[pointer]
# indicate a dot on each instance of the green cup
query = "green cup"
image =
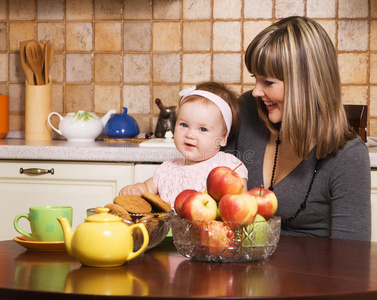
(43, 223)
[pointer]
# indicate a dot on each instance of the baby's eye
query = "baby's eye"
(183, 124)
(203, 129)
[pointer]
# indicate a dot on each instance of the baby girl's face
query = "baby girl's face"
(199, 131)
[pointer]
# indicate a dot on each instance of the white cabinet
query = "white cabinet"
(77, 184)
(144, 171)
(374, 204)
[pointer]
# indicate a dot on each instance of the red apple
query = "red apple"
(216, 236)
(182, 196)
(267, 201)
(222, 181)
(199, 206)
(240, 208)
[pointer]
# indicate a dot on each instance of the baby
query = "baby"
(208, 114)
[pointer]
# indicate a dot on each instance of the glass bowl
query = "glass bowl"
(157, 224)
(219, 241)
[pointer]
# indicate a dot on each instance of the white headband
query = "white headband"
(220, 103)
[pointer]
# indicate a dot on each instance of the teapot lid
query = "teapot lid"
(103, 216)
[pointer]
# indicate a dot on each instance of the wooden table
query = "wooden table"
(304, 268)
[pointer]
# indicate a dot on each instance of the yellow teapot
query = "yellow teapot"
(103, 240)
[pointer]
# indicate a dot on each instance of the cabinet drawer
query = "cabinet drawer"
(80, 185)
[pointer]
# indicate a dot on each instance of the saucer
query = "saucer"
(32, 245)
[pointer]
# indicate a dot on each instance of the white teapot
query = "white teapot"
(80, 126)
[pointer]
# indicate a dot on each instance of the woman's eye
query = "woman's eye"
(202, 129)
(268, 82)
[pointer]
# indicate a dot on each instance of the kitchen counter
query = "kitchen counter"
(97, 151)
(83, 151)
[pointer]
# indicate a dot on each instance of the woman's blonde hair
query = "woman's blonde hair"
(298, 51)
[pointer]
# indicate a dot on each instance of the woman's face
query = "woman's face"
(199, 131)
(271, 91)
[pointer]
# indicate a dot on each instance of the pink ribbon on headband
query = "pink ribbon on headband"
(220, 103)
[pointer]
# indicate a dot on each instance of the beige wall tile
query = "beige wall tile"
(168, 94)
(137, 9)
(137, 99)
(373, 105)
(3, 10)
(196, 68)
(16, 73)
(353, 68)
(227, 9)
(227, 36)
(4, 89)
(79, 10)
(321, 8)
(108, 9)
(107, 67)
(54, 32)
(20, 32)
(22, 10)
(17, 97)
(79, 68)
(227, 68)
(166, 36)
(258, 9)
(57, 68)
(193, 9)
(143, 122)
(108, 37)
(167, 9)
(17, 122)
(79, 36)
(50, 9)
(107, 97)
(57, 98)
(78, 97)
(373, 4)
(372, 127)
(353, 35)
(373, 68)
(137, 68)
(196, 36)
(330, 27)
(251, 29)
(286, 8)
(166, 68)
(373, 36)
(353, 9)
(137, 37)
(3, 37)
(4, 66)
(355, 94)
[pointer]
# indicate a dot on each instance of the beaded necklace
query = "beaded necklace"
(271, 188)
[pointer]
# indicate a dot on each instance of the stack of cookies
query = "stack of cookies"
(148, 209)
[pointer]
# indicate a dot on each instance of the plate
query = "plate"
(159, 143)
(32, 245)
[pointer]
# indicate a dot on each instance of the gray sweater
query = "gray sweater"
(339, 202)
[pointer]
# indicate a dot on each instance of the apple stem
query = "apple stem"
(260, 190)
(236, 167)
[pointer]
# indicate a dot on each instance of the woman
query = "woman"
(295, 138)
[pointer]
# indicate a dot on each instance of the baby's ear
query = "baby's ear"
(223, 142)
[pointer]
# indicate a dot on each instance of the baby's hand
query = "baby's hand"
(133, 189)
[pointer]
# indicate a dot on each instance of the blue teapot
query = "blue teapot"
(121, 126)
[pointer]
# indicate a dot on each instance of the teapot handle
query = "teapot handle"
(48, 120)
(143, 229)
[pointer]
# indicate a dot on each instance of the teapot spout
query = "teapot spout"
(107, 116)
(67, 232)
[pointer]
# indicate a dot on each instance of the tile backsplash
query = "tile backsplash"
(111, 54)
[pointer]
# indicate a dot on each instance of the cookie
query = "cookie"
(157, 203)
(119, 211)
(133, 204)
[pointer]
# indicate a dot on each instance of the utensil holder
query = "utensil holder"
(4, 115)
(37, 109)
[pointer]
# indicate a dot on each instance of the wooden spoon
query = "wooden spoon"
(35, 59)
(49, 56)
(25, 66)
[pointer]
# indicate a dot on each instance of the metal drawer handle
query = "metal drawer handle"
(36, 171)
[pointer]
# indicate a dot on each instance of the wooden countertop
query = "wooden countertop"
(301, 267)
